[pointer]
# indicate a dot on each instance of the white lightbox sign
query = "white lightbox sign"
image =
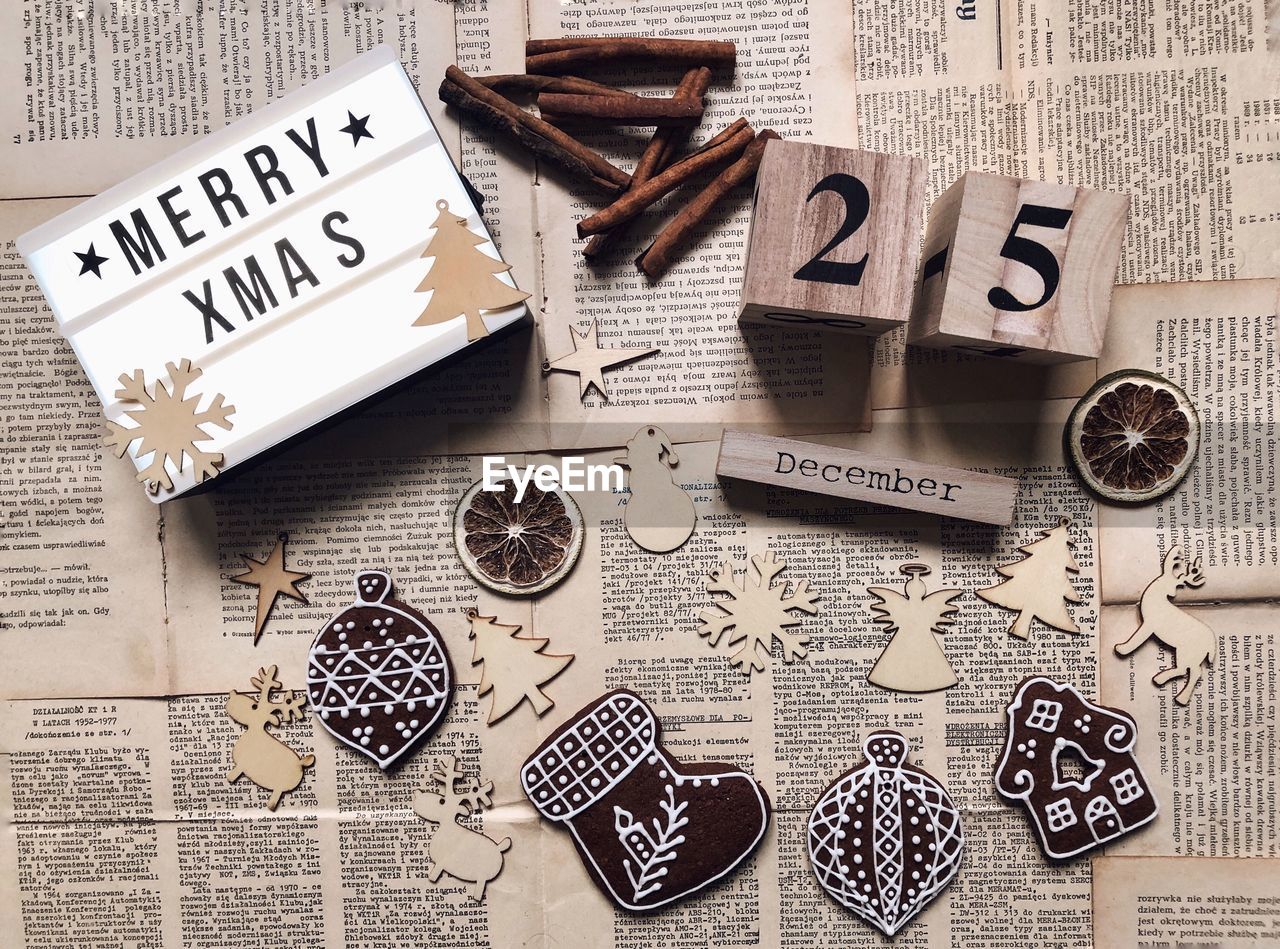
(281, 255)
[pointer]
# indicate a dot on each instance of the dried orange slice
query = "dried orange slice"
(518, 547)
(1133, 436)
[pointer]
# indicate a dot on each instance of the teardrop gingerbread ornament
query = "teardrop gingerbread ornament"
(885, 838)
(378, 674)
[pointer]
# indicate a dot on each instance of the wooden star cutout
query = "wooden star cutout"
(271, 579)
(590, 361)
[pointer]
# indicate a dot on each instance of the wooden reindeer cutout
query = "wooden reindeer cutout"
(465, 854)
(263, 758)
(659, 514)
(1193, 643)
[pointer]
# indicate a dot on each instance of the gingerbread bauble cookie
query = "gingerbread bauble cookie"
(1103, 797)
(885, 838)
(378, 674)
(650, 830)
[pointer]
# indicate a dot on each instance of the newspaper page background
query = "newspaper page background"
(127, 797)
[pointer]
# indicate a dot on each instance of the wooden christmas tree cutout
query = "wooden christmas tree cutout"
(462, 279)
(168, 425)
(512, 668)
(589, 361)
(464, 854)
(659, 514)
(1193, 643)
(1039, 585)
(258, 754)
(272, 579)
(913, 661)
(756, 612)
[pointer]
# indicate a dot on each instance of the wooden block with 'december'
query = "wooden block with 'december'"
(1018, 269)
(834, 234)
(864, 476)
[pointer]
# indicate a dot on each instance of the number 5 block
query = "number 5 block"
(1018, 268)
(833, 239)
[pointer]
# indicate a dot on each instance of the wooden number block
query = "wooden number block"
(833, 240)
(862, 476)
(1018, 268)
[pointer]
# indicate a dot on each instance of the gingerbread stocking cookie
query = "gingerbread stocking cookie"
(885, 838)
(650, 829)
(378, 673)
(1071, 764)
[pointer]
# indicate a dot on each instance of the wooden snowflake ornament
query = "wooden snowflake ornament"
(885, 838)
(168, 425)
(755, 612)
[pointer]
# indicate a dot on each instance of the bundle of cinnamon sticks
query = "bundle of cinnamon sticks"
(733, 155)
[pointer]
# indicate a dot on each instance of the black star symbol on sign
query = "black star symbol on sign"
(356, 128)
(90, 262)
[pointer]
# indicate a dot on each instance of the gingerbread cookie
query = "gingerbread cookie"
(884, 839)
(378, 673)
(650, 829)
(1104, 797)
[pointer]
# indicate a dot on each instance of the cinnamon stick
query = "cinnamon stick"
(635, 200)
(726, 133)
(556, 56)
(518, 83)
(664, 251)
(656, 155)
(615, 110)
(465, 93)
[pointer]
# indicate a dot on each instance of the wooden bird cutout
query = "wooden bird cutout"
(272, 579)
(589, 361)
(913, 661)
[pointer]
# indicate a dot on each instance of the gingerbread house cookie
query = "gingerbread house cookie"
(1107, 795)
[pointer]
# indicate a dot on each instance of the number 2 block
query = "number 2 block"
(1018, 268)
(834, 234)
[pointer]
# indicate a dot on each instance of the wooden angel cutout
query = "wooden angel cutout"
(913, 661)
(1193, 643)
(259, 755)
(1039, 585)
(512, 668)
(464, 854)
(462, 280)
(659, 514)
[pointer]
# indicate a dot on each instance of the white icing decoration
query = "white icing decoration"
(648, 852)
